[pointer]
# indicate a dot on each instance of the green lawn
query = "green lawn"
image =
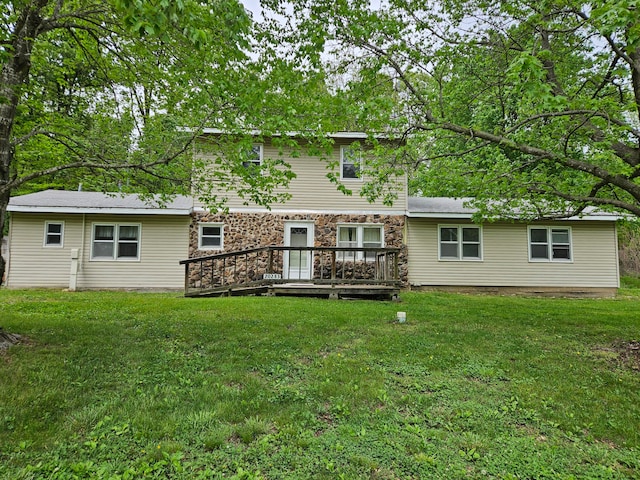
(129, 385)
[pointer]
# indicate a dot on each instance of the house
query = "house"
(447, 250)
(316, 215)
(90, 240)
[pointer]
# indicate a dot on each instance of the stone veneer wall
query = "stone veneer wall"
(250, 230)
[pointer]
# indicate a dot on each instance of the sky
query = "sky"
(254, 7)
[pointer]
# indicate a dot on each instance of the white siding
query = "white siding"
(30, 263)
(311, 190)
(506, 257)
(163, 243)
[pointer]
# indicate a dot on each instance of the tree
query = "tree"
(531, 108)
(113, 93)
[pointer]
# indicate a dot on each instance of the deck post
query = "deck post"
(333, 265)
(396, 269)
(223, 279)
(270, 261)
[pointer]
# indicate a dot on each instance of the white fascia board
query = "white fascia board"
(347, 135)
(606, 218)
(103, 211)
(438, 215)
(286, 211)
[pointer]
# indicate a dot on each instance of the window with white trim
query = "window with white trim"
(53, 234)
(253, 158)
(360, 236)
(210, 236)
(550, 244)
(459, 242)
(350, 163)
(115, 241)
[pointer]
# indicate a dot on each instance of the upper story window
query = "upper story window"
(53, 234)
(115, 242)
(549, 244)
(459, 242)
(359, 236)
(253, 157)
(350, 163)
(210, 236)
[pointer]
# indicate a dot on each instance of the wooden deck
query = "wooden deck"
(329, 272)
(382, 292)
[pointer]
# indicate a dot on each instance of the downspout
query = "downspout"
(84, 221)
(76, 259)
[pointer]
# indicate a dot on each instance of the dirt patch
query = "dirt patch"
(628, 354)
(623, 353)
(7, 339)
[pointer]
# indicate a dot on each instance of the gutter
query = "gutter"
(97, 210)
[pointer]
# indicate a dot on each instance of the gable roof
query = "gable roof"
(446, 207)
(63, 201)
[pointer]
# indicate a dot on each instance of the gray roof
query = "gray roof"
(446, 207)
(61, 201)
(438, 205)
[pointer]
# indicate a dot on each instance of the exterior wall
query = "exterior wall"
(506, 262)
(250, 230)
(312, 191)
(33, 265)
(163, 244)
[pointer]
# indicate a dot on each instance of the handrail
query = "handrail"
(269, 265)
(223, 255)
(279, 249)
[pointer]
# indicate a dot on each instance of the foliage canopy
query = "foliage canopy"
(528, 107)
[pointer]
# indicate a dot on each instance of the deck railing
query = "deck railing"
(272, 265)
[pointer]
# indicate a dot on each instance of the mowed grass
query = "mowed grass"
(128, 385)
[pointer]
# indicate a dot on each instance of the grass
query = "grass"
(127, 385)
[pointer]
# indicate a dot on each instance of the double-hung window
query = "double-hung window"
(549, 244)
(459, 242)
(53, 234)
(253, 158)
(115, 242)
(360, 236)
(350, 163)
(210, 236)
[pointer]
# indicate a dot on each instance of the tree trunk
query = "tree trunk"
(4, 201)
(15, 73)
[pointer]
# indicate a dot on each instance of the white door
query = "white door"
(298, 264)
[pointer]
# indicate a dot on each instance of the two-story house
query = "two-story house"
(82, 240)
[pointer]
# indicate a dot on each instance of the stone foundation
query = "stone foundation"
(252, 230)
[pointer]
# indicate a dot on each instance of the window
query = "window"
(549, 244)
(53, 234)
(253, 158)
(459, 242)
(210, 236)
(359, 236)
(115, 242)
(350, 163)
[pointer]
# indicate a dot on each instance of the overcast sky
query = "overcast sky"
(254, 7)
